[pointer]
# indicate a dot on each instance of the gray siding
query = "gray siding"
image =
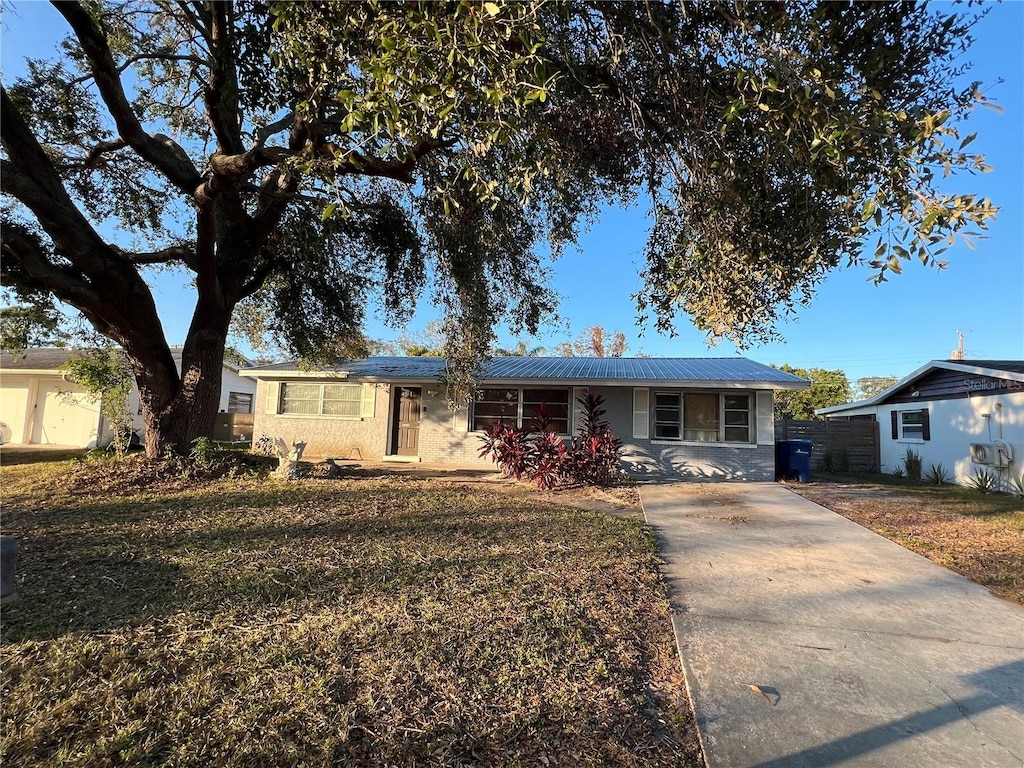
(651, 457)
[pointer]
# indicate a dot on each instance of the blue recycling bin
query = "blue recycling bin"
(793, 459)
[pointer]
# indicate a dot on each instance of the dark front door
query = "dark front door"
(405, 434)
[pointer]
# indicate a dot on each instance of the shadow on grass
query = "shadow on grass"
(74, 591)
(13, 455)
(103, 566)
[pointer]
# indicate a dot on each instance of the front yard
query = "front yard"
(371, 621)
(980, 536)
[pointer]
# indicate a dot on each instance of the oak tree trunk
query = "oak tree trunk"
(178, 408)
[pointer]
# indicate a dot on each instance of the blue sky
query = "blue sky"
(851, 324)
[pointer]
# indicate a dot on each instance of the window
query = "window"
(322, 399)
(668, 411)
(911, 425)
(736, 412)
(700, 417)
(239, 402)
(517, 407)
(705, 417)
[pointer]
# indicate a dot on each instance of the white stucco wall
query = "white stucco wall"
(955, 424)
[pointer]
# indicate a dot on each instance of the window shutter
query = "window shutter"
(369, 400)
(895, 425)
(926, 426)
(273, 397)
(460, 418)
(765, 419)
(641, 413)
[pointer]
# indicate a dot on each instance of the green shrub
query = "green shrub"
(983, 481)
(1017, 484)
(838, 461)
(937, 475)
(204, 452)
(913, 464)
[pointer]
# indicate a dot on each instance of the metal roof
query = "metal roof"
(726, 371)
(1011, 369)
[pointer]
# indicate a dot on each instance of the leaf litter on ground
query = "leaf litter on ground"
(243, 621)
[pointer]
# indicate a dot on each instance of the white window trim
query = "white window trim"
(900, 426)
(654, 422)
(751, 441)
(519, 410)
(318, 416)
(703, 444)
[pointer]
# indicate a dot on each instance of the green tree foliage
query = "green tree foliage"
(594, 341)
(301, 160)
(522, 348)
(869, 386)
(425, 342)
(106, 375)
(32, 325)
(827, 388)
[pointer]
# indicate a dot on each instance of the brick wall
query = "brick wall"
(444, 435)
(642, 457)
(648, 457)
(444, 438)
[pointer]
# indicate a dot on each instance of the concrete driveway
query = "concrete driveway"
(862, 653)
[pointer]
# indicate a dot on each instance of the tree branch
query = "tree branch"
(262, 135)
(25, 249)
(145, 56)
(94, 154)
(42, 190)
(197, 23)
(175, 165)
(221, 93)
(275, 195)
(258, 277)
(167, 255)
(241, 165)
(364, 165)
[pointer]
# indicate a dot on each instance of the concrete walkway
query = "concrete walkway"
(863, 653)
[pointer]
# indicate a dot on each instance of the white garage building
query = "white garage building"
(39, 407)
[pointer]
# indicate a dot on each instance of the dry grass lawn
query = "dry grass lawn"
(368, 621)
(980, 536)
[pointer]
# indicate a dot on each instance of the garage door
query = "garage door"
(61, 419)
(13, 400)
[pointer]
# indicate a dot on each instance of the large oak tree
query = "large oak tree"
(300, 159)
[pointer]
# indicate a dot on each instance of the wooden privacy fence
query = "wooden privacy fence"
(233, 427)
(854, 442)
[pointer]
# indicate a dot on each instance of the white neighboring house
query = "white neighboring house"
(39, 406)
(967, 415)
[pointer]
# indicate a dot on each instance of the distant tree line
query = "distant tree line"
(828, 388)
